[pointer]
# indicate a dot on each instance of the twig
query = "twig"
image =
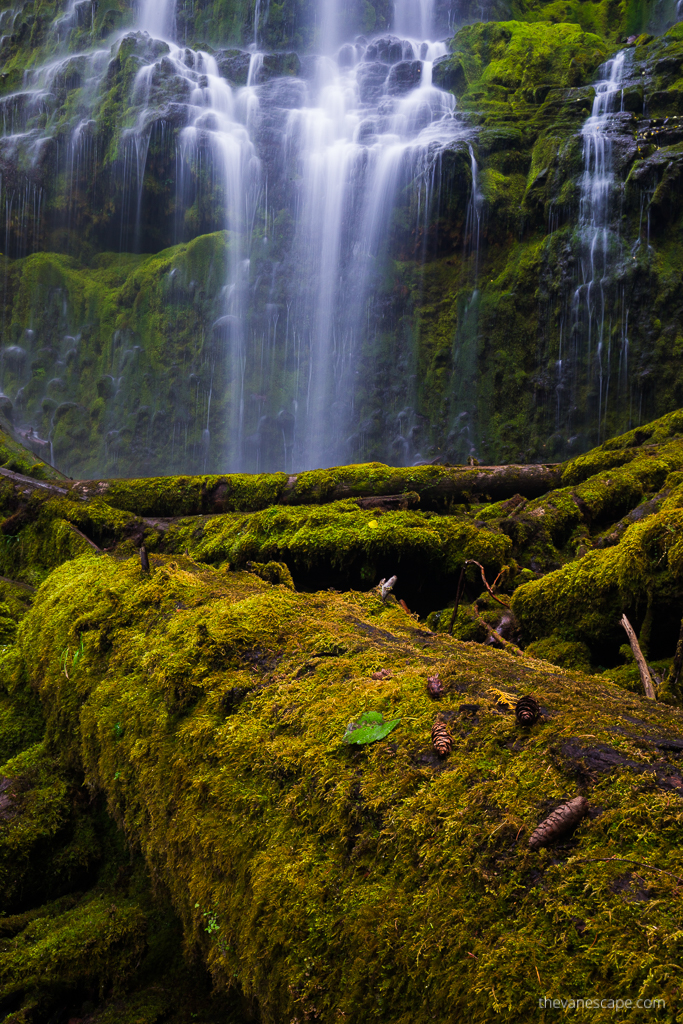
(645, 676)
(624, 860)
(29, 482)
(471, 561)
(512, 648)
(16, 583)
(87, 539)
(458, 595)
(675, 671)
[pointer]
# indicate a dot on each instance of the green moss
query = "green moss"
(354, 544)
(622, 449)
(155, 300)
(567, 654)
(322, 870)
(50, 950)
(516, 55)
(585, 599)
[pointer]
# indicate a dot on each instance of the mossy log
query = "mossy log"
(379, 882)
(437, 487)
(206, 706)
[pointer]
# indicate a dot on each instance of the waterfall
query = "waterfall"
(156, 17)
(363, 125)
(339, 148)
(599, 240)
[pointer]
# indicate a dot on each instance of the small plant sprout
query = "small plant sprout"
(78, 654)
(212, 925)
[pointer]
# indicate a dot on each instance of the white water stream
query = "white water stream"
(365, 122)
(599, 242)
(344, 150)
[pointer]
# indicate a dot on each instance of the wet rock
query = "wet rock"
(276, 65)
(449, 74)
(285, 93)
(14, 357)
(371, 79)
(388, 49)
(57, 385)
(234, 65)
(346, 57)
(404, 76)
(632, 100)
(6, 408)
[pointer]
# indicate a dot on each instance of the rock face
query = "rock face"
(186, 723)
(404, 76)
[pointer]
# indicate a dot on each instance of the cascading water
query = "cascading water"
(337, 147)
(361, 126)
(599, 241)
(359, 135)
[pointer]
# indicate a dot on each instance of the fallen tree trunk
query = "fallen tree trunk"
(438, 488)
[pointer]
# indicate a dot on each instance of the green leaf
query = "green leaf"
(369, 728)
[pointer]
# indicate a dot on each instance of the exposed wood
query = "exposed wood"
(677, 666)
(645, 676)
(86, 539)
(16, 583)
(458, 596)
(28, 483)
(144, 560)
(505, 604)
(436, 484)
(391, 502)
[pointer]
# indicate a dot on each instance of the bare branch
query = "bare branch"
(645, 676)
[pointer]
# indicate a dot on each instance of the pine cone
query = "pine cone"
(441, 738)
(527, 711)
(563, 820)
(434, 687)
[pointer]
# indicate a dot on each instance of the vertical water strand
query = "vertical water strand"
(473, 221)
(598, 241)
(156, 17)
(414, 18)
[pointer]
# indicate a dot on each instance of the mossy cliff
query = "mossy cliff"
(176, 796)
(475, 342)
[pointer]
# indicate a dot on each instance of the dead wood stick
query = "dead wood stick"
(471, 561)
(28, 483)
(675, 671)
(509, 647)
(87, 539)
(458, 595)
(16, 583)
(645, 676)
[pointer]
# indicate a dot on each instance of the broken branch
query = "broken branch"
(471, 561)
(675, 671)
(645, 676)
